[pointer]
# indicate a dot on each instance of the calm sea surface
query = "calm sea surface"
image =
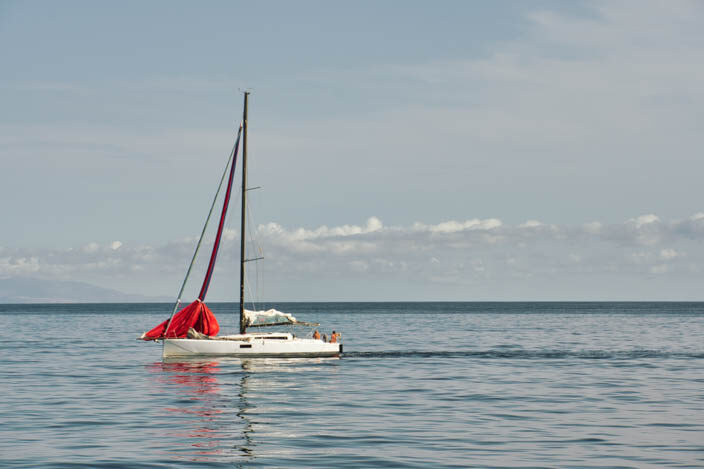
(420, 385)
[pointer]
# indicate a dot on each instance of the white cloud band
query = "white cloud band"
(460, 253)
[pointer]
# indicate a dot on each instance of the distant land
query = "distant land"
(34, 290)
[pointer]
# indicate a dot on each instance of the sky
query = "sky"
(512, 150)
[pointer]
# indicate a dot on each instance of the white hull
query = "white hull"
(251, 345)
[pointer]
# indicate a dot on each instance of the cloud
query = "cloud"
(668, 254)
(451, 253)
(530, 224)
(454, 226)
(644, 220)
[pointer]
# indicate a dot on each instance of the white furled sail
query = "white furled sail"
(272, 317)
(267, 318)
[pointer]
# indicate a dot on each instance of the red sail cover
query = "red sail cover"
(196, 315)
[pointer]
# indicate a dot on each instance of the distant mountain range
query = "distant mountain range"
(34, 290)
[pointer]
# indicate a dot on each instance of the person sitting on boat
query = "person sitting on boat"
(333, 337)
(316, 335)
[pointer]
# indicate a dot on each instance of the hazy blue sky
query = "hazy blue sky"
(506, 150)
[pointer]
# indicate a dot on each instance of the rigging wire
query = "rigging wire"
(205, 226)
(254, 295)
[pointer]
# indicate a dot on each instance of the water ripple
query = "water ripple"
(420, 385)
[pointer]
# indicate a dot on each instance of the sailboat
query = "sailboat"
(192, 331)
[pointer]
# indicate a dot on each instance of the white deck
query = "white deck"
(251, 345)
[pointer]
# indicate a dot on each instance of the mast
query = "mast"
(243, 326)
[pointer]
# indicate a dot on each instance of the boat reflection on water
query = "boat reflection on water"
(208, 404)
(205, 409)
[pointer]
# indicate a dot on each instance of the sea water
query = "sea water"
(419, 385)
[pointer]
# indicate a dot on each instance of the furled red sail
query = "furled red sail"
(196, 315)
(218, 236)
